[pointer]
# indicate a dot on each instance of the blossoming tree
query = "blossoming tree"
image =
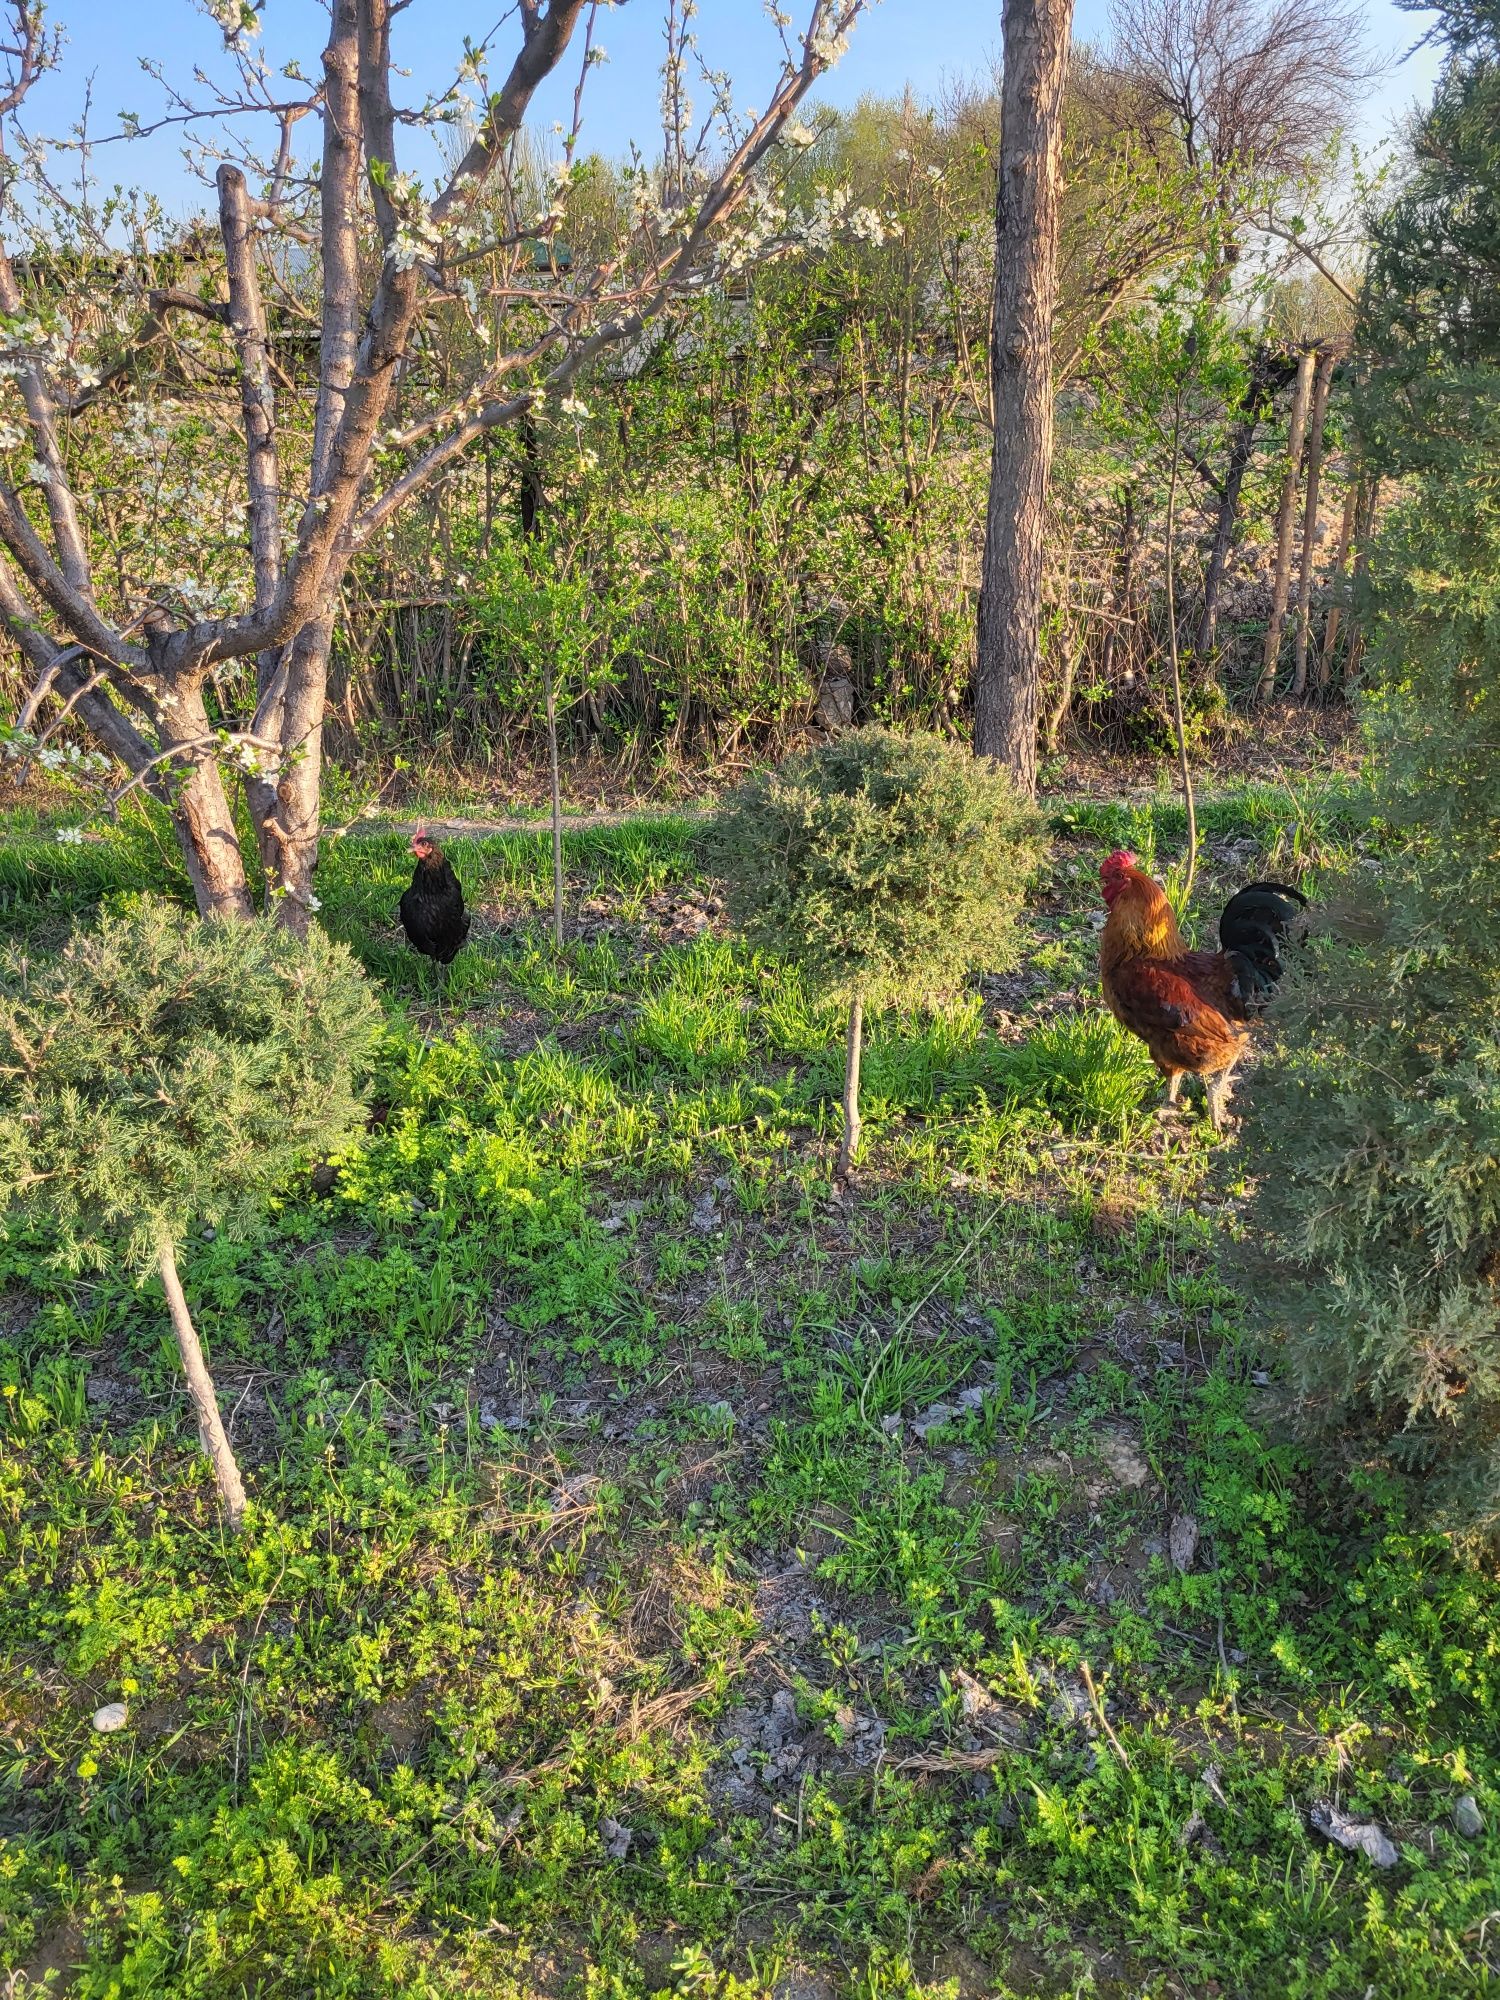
(350, 239)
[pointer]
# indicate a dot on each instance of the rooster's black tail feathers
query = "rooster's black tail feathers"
(1256, 923)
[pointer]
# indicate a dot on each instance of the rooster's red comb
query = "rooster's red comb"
(1118, 862)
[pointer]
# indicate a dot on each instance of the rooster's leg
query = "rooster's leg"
(1174, 1085)
(1217, 1091)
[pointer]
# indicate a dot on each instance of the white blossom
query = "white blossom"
(574, 407)
(70, 836)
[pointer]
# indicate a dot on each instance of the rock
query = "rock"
(706, 1212)
(615, 1838)
(1182, 1542)
(113, 1716)
(890, 1425)
(971, 1399)
(933, 1418)
(836, 695)
(620, 1217)
(799, 1984)
(1358, 1836)
(1123, 1460)
(1467, 1818)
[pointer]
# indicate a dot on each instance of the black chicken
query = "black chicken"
(432, 910)
(1256, 923)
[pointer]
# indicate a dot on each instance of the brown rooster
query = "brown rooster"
(1191, 1008)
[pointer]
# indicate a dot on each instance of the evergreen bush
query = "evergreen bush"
(164, 1074)
(1375, 1130)
(887, 867)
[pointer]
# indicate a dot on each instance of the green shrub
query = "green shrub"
(887, 867)
(163, 1074)
(1376, 1132)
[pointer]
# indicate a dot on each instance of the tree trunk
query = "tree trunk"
(202, 817)
(1336, 583)
(286, 811)
(211, 1433)
(1322, 382)
(1007, 678)
(1296, 425)
(849, 1144)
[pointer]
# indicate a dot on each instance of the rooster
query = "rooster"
(432, 909)
(1192, 1009)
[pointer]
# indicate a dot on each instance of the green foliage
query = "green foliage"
(1378, 1133)
(884, 866)
(581, 1418)
(163, 1072)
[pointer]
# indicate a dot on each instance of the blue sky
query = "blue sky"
(921, 43)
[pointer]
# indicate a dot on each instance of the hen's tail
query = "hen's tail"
(1255, 924)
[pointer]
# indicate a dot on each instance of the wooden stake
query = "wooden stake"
(850, 1142)
(211, 1432)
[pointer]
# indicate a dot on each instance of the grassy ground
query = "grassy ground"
(670, 1575)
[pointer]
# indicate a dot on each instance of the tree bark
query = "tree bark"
(1322, 382)
(202, 817)
(1296, 426)
(1336, 583)
(853, 1048)
(1007, 678)
(211, 1432)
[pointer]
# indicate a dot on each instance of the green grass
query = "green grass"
(598, 1447)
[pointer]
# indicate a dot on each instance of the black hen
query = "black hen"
(1255, 924)
(432, 910)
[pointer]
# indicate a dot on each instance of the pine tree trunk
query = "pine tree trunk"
(1007, 678)
(1281, 578)
(211, 1433)
(1322, 381)
(1336, 584)
(853, 1048)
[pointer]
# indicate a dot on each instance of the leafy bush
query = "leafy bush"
(163, 1073)
(1377, 1133)
(886, 867)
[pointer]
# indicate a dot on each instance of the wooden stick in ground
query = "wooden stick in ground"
(1322, 382)
(1296, 425)
(550, 693)
(1098, 1708)
(211, 1433)
(1336, 583)
(850, 1142)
